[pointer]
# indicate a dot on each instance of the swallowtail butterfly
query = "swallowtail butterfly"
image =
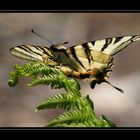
(92, 60)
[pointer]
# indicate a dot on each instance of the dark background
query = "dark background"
(17, 105)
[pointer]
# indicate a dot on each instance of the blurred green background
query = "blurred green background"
(17, 105)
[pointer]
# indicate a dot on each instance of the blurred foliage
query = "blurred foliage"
(79, 109)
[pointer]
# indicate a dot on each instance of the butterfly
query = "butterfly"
(92, 61)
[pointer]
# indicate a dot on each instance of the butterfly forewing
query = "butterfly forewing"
(34, 53)
(112, 46)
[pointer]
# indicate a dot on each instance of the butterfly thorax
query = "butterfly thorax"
(62, 57)
(57, 51)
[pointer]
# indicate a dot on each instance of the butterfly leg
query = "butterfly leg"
(48, 61)
(45, 59)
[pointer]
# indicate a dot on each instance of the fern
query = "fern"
(79, 109)
(66, 100)
(73, 116)
(79, 118)
(15, 76)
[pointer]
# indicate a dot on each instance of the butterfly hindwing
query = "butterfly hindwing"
(97, 53)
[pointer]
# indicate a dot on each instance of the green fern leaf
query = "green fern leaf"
(81, 109)
(66, 100)
(79, 118)
(57, 81)
(14, 76)
(76, 116)
(36, 68)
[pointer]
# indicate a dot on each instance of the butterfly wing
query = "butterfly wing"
(111, 46)
(97, 53)
(34, 53)
(96, 56)
(91, 60)
(86, 59)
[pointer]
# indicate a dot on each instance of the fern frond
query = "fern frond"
(76, 115)
(34, 68)
(53, 80)
(74, 124)
(49, 76)
(112, 124)
(80, 109)
(80, 118)
(87, 123)
(56, 82)
(66, 100)
(14, 76)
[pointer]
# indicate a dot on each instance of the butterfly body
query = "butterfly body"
(90, 64)
(92, 60)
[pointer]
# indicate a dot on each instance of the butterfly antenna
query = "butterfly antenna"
(119, 89)
(41, 36)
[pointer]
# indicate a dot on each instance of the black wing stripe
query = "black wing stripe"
(92, 42)
(87, 52)
(28, 49)
(39, 48)
(45, 52)
(21, 47)
(75, 56)
(118, 39)
(107, 42)
(125, 44)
